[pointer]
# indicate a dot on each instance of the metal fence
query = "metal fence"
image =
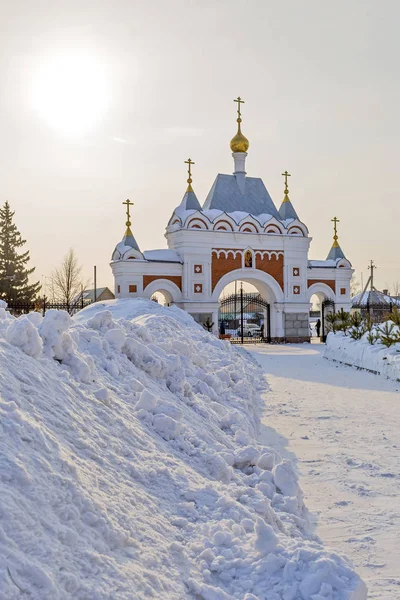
(42, 305)
(244, 318)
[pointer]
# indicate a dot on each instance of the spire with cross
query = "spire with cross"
(189, 162)
(128, 204)
(190, 201)
(335, 252)
(286, 174)
(239, 143)
(335, 221)
(239, 102)
(129, 238)
(287, 210)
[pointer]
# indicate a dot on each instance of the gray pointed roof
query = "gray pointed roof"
(286, 210)
(129, 240)
(225, 195)
(335, 252)
(189, 201)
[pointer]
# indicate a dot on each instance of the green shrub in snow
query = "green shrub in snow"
(394, 316)
(388, 334)
(343, 321)
(372, 337)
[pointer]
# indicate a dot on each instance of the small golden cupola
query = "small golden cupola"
(239, 143)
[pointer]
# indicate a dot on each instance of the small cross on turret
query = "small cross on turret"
(128, 204)
(189, 162)
(239, 102)
(335, 221)
(286, 174)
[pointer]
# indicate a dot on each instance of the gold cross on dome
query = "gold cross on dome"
(128, 204)
(286, 174)
(189, 162)
(239, 102)
(335, 221)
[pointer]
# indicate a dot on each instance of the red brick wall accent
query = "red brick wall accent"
(272, 266)
(177, 279)
(328, 282)
(223, 265)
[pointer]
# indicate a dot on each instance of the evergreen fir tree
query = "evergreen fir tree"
(14, 275)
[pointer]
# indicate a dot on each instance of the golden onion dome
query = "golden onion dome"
(239, 143)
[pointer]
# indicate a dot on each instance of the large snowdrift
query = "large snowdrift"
(129, 467)
(361, 354)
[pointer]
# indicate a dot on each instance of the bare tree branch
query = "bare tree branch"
(354, 286)
(395, 289)
(66, 280)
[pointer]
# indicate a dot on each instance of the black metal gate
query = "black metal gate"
(244, 319)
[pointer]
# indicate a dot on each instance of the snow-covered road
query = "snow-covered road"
(344, 427)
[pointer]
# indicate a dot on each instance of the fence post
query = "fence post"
(44, 306)
(269, 324)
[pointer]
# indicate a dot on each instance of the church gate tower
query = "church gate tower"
(238, 234)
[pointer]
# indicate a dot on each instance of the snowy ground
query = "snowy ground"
(344, 427)
(360, 353)
(130, 467)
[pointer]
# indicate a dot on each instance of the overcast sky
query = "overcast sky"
(321, 85)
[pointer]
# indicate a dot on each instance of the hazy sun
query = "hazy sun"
(70, 92)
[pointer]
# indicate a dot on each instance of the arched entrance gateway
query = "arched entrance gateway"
(237, 234)
(244, 317)
(267, 302)
(323, 300)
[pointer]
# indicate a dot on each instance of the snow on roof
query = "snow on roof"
(163, 255)
(131, 450)
(183, 213)
(213, 213)
(240, 215)
(322, 263)
(122, 247)
(89, 294)
(374, 298)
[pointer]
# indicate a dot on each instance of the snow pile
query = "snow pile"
(362, 354)
(129, 467)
